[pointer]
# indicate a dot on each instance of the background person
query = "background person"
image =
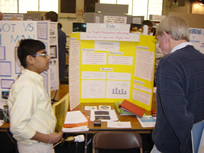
(180, 88)
(53, 17)
(150, 26)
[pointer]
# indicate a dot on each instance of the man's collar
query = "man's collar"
(182, 45)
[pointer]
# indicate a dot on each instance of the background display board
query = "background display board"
(11, 32)
(197, 38)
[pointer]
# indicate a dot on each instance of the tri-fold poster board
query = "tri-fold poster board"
(108, 64)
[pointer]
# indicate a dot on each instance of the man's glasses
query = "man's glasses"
(43, 54)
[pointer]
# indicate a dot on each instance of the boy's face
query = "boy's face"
(40, 62)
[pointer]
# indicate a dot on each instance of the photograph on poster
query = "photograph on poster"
(53, 51)
(5, 94)
(79, 27)
(42, 30)
(5, 69)
(6, 83)
(136, 28)
(2, 53)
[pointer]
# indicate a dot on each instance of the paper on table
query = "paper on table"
(1, 122)
(75, 117)
(105, 115)
(75, 129)
(90, 108)
(147, 121)
(112, 124)
(104, 107)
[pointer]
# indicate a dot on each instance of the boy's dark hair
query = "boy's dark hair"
(53, 16)
(28, 47)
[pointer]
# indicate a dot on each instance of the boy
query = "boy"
(32, 121)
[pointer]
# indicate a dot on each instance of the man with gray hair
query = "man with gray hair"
(180, 88)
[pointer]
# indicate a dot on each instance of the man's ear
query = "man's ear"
(30, 59)
(166, 36)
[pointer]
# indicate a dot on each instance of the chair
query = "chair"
(196, 134)
(116, 140)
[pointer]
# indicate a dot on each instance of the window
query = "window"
(8, 6)
(140, 7)
(22, 6)
(25, 5)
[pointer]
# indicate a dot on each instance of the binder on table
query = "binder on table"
(128, 106)
(121, 111)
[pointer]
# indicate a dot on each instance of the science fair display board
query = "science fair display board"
(108, 64)
(11, 32)
(196, 36)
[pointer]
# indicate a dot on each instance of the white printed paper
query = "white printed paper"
(122, 125)
(118, 76)
(107, 46)
(144, 64)
(74, 117)
(93, 89)
(94, 58)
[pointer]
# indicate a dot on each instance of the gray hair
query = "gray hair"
(175, 26)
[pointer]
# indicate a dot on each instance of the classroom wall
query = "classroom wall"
(192, 12)
(68, 18)
(194, 20)
(168, 7)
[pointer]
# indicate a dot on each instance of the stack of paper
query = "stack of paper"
(75, 121)
(1, 122)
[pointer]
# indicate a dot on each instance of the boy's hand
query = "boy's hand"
(55, 137)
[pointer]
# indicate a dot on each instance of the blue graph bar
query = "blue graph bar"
(120, 91)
